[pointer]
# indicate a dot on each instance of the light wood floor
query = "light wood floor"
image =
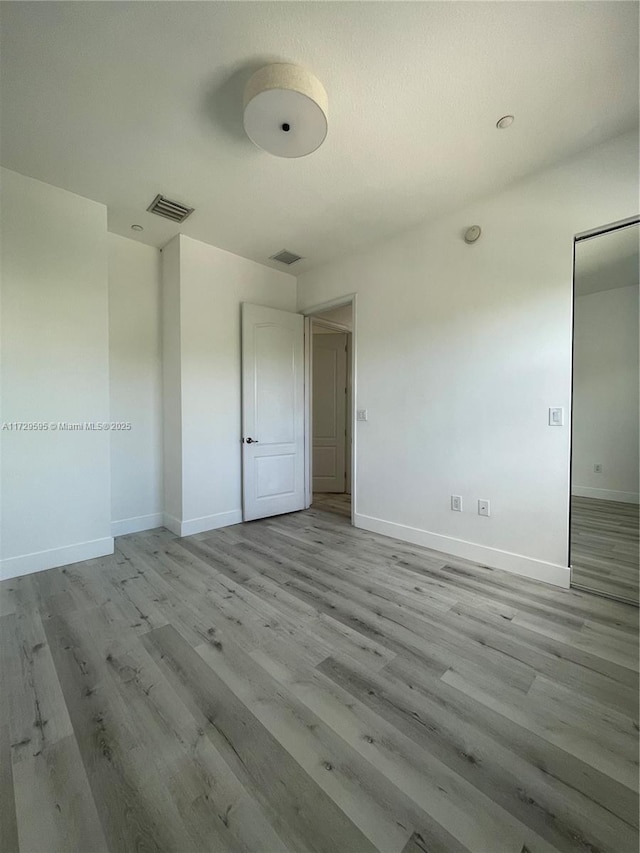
(298, 685)
(338, 503)
(605, 552)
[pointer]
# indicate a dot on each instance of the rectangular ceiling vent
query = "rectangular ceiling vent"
(170, 209)
(286, 257)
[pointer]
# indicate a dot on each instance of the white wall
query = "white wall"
(605, 395)
(55, 368)
(171, 384)
(135, 384)
(461, 350)
(211, 287)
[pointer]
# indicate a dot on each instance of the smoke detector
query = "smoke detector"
(504, 122)
(472, 234)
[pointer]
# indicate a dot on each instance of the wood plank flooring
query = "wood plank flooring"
(295, 684)
(605, 551)
(338, 503)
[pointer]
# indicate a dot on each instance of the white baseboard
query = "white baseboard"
(171, 523)
(27, 564)
(529, 567)
(137, 524)
(199, 525)
(605, 494)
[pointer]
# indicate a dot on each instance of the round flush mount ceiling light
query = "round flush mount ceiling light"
(504, 122)
(285, 110)
(472, 234)
(137, 228)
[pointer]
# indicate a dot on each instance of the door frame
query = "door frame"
(579, 238)
(309, 313)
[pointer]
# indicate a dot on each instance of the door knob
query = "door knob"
(252, 441)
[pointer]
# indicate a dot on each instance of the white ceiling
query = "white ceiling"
(608, 261)
(118, 101)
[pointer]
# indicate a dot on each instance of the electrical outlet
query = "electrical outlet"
(597, 468)
(484, 508)
(361, 415)
(456, 503)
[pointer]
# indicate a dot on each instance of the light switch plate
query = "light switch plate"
(556, 417)
(456, 503)
(361, 415)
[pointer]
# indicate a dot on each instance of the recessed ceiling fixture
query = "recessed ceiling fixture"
(285, 110)
(504, 122)
(173, 210)
(137, 228)
(286, 257)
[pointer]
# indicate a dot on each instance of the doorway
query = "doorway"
(605, 429)
(331, 408)
(278, 437)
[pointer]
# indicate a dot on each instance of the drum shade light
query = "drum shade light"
(285, 110)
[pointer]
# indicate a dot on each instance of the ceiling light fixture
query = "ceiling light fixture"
(285, 110)
(504, 122)
(137, 228)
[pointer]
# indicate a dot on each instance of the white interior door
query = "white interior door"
(329, 412)
(272, 412)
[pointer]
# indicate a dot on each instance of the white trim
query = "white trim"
(210, 522)
(605, 494)
(331, 324)
(354, 398)
(137, 524)
(171, 523)
(308, 416)
(538, 570)
(39, 561)
(606, 229)
(338, 302)
(350, 399)
(200, 525)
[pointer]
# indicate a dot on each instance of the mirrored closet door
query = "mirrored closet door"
(605, 467)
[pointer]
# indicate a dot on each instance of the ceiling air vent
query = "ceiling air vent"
(286, 257)
(170, 209)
